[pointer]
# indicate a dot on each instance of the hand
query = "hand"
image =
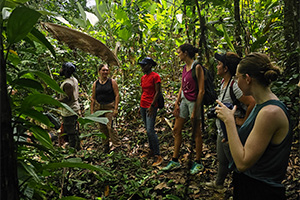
(176, 110)
(192, 116)
(224, 113)
(150, 111)
(115, 112)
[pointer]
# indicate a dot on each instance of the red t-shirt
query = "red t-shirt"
(148, 82)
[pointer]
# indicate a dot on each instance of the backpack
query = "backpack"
(160, 100)
(210, 95)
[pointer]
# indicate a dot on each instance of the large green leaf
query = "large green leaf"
(82, 13)
(30, 170)
(39, 37)
(84, 120)
(38, 100)
(52, 83)
(20, 23)
(42, 136)
(38, 116)
(230, 45)
(29, 83)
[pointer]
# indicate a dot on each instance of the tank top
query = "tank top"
(189, 87)
(105, 92)
(271, 167)
(74, 104)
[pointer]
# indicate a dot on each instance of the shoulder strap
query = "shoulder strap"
(232, 95)
(226, 90)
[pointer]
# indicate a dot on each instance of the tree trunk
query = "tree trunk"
(238, 29)
(202, 42)
(9, 177)
(186, 24)
(291, 34)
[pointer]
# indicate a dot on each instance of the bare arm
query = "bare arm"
(271, 125)
(200, 78)
(68, 89)
(250, 103)
(157, 91)
(177, 103)
(93, 99)
(117, 96)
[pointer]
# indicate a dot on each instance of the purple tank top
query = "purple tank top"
(189, 86)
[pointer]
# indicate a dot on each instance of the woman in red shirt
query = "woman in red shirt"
(150, 83)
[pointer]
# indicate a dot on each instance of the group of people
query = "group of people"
(253, 135)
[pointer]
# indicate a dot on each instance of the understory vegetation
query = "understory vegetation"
(35, 167)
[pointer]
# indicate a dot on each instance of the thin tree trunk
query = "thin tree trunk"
(186, 24)
(291, 34)
(238, 29)
(202, 42)
(9, 178)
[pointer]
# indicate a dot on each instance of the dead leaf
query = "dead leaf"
(161, 186)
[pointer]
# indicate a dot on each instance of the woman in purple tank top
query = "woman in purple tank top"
(188, 105)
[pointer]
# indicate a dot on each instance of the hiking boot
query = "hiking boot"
(196, 168)
(158, 161)
(171, 166)
(213, 184)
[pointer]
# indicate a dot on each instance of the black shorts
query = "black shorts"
(247, 188)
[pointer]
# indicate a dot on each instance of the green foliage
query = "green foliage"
(20, 23)
(142, 28)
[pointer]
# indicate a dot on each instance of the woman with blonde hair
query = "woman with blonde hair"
(105, 96)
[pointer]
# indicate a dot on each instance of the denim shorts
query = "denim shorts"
(187, 108)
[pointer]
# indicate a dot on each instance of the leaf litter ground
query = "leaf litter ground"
(134, 177)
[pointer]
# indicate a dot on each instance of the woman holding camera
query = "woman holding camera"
(226, 68)
(261, 147)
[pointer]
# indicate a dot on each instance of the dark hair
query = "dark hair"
(259, 66)
(190, 49)
(69, 68)
(100, 66)
(232, 61)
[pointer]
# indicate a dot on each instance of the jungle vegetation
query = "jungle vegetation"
(34, 167)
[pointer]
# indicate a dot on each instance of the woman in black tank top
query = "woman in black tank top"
(105, 96)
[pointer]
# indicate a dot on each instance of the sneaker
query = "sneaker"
(171, 166)
(214, 185)
(196, 168)
(158, 161)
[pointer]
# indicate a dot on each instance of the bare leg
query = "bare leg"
(179, 122)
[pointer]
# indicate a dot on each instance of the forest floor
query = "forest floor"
(132, 177)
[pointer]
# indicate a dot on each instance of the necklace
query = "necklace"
(102, 81)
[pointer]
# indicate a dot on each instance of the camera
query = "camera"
(211, 113)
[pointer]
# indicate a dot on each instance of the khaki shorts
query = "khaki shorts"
(187, 108)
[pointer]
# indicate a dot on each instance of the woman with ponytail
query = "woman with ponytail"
(261, 147)
(188, 105)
